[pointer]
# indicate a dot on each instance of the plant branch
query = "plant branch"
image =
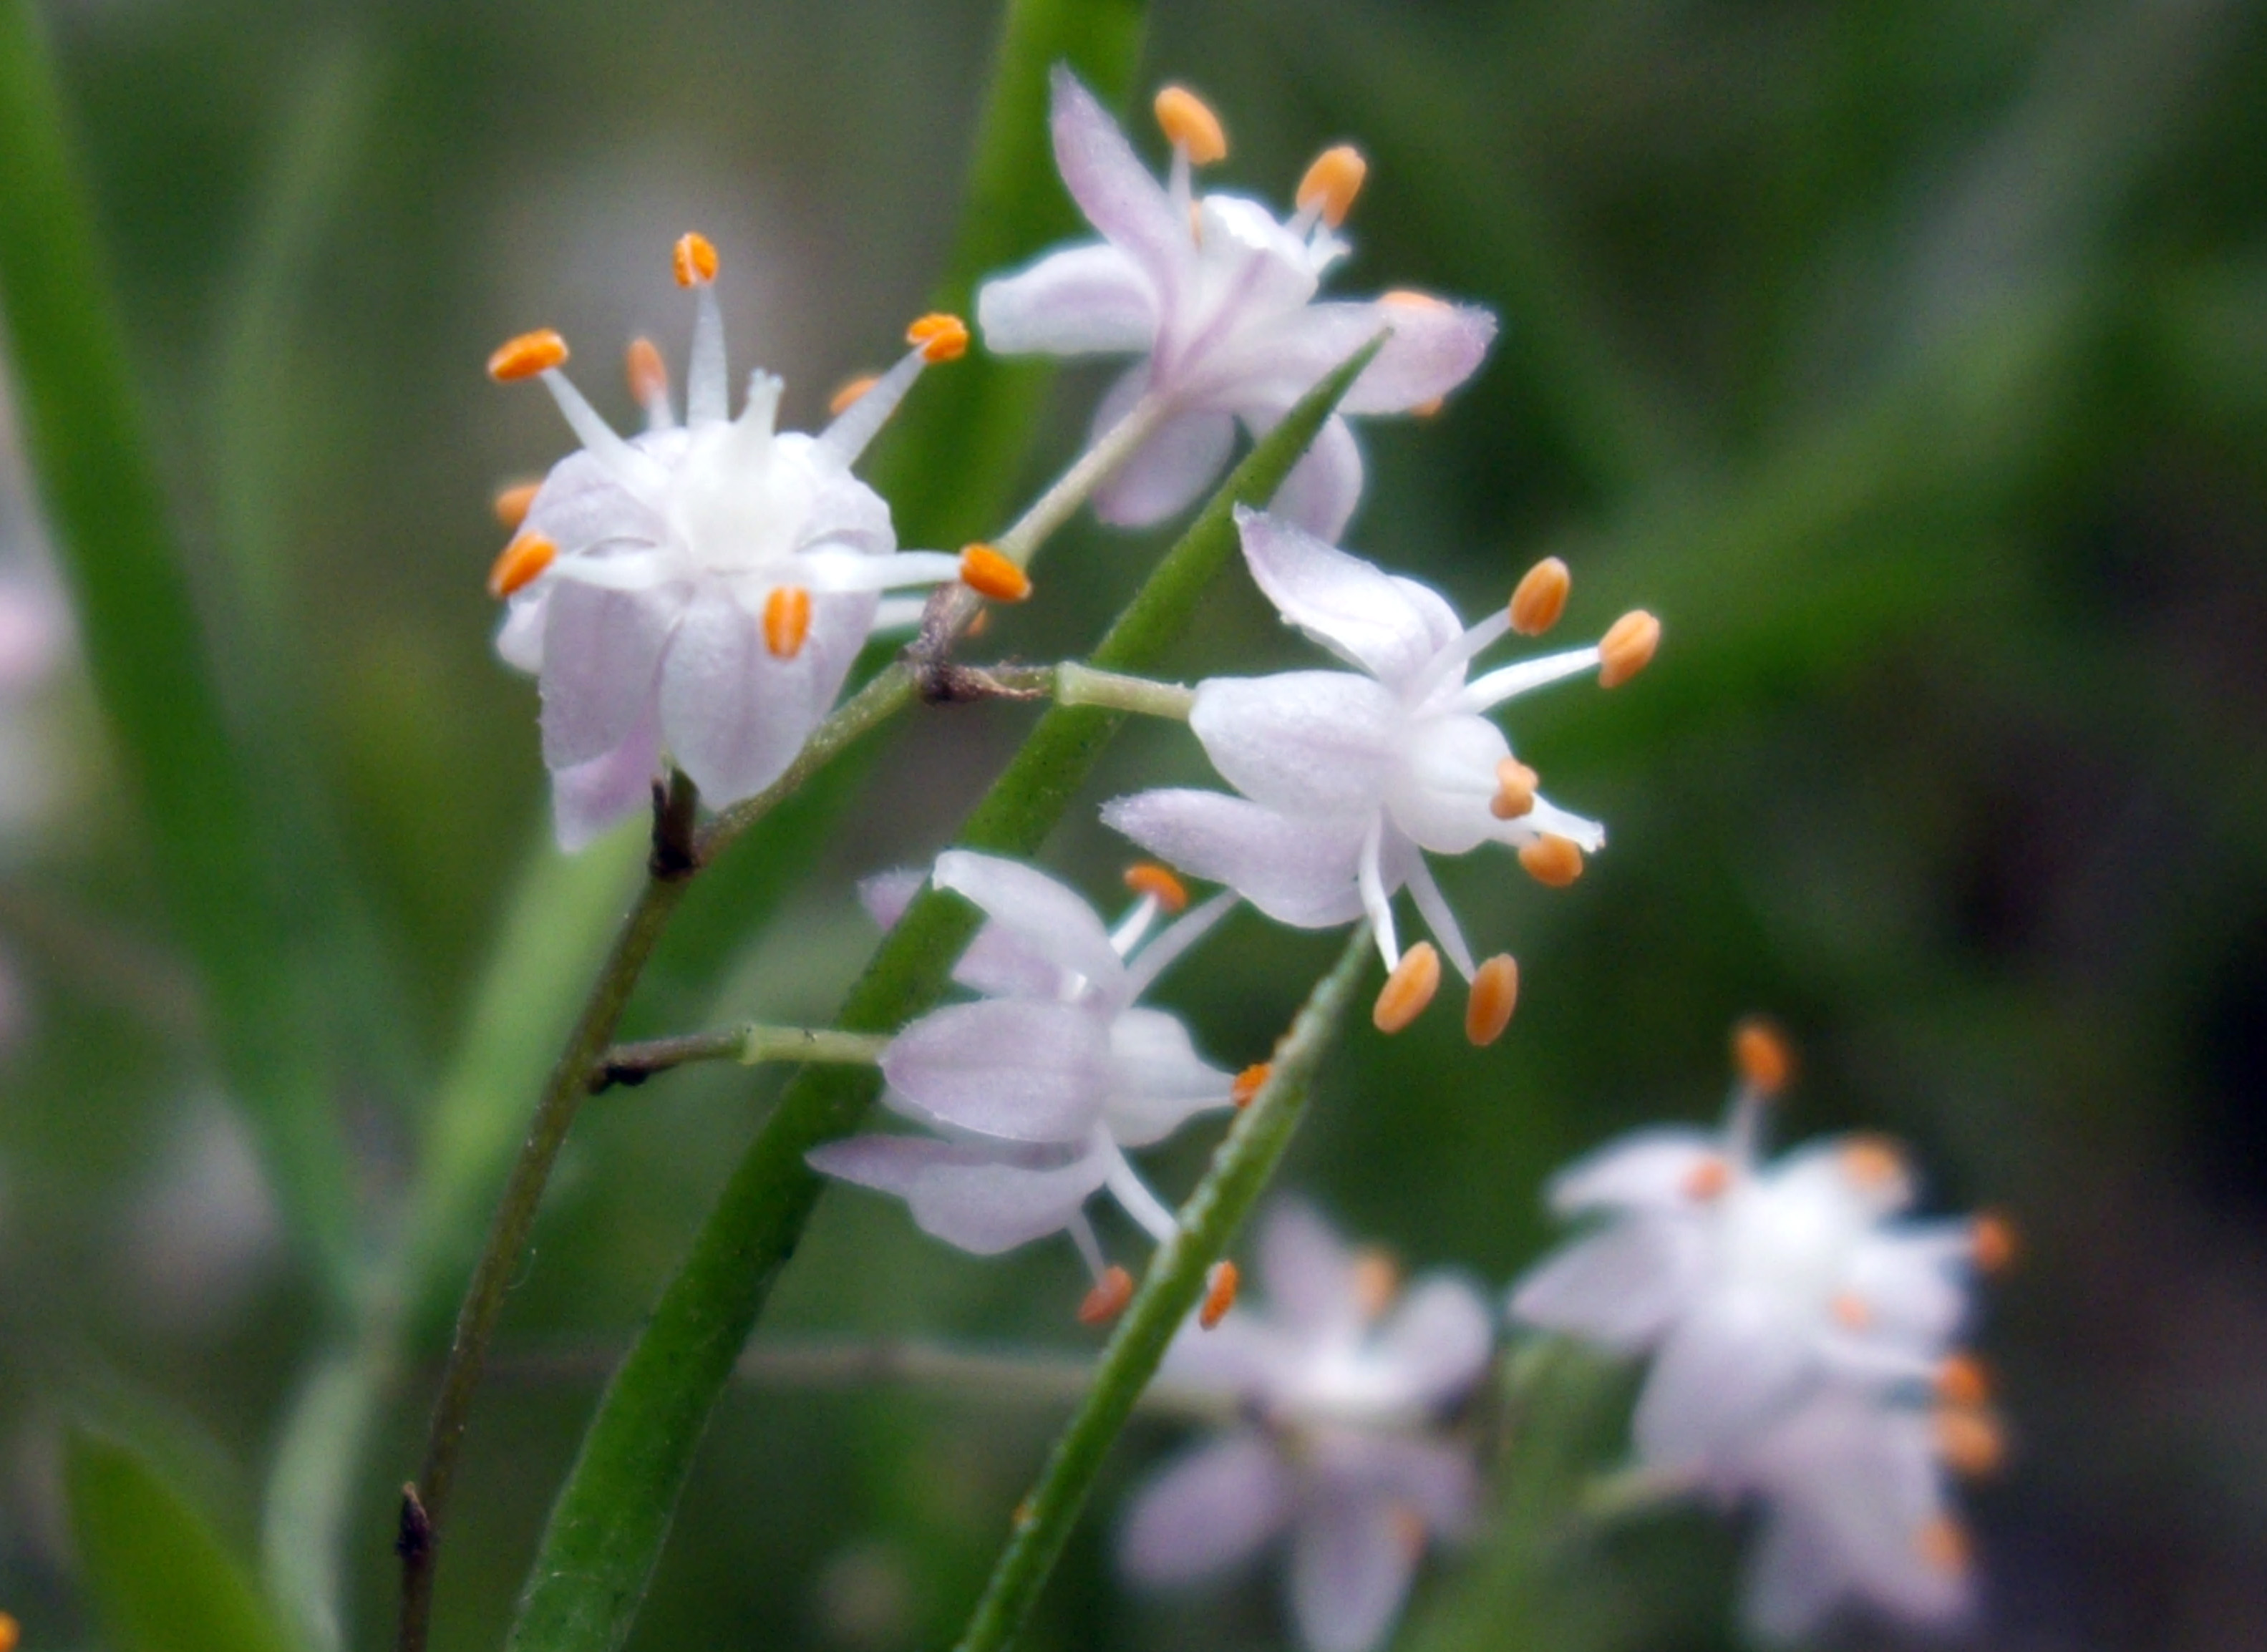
(632, 1064)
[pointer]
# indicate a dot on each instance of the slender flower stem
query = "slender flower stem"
(749, 1045)
(1077, 685)
(1176, 1280)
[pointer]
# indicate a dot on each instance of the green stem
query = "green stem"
(1077, 685)
(1175, 1282)
(750, 1046)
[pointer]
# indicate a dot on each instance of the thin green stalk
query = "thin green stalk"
(1077, 685)
(606, 1530)
(751, 1046)
(1176, 1280)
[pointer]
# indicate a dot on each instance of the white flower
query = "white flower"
(1348, 778)
(1217, 296)
(1039, 1086)
(1802, 1345)
(703, 589)
(1346, 1389)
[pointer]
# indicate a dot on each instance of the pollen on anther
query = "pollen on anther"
(1551, 860)
(520, 563)
(1943, 1543)
(512, 504)
(526, 356)
(940, 337)
(1971, 1442)
(1851, 1311)
(1707, 1180)
(1991, 1242)
(1427, 408)
(1408, 989)
(787, 620)
(1147, 878)
(1540, 597)
(1220, 1281)
(1627, 648)
(10, 1631)
(1410, 299)
(1187, 120)
(1514, 789)
(1376, 1280)
(988, 574)
(1873, 1162)
(649, 375)
(1108, 1298)
(847, 393)
(1248, 1083)
(1761, 1052)
(692, 260)
(1494, 994)
(1332, 183)
(1962, 1381)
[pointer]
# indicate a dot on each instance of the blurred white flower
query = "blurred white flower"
(35, 637)
(1345, 1388)
(1037, 1088)
(702, 588)
(1801, 1341)
(1217, 296)
(1349, 777)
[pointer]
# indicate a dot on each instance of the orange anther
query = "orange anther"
(1514, 789)
(1330, 184)
(979, 624)
(1220, 1293)
(1553, 860)
(1147, 878)
(1970, 1442)
(1627, 646)
(1188, 121)
(10, 1631)
(1540, 597)
(1376, 1280)
(942, 337)
(692, 260)
(1494, 994)
(1408, 989)
(1851, 1311)
(849, 390)
(512, 504)
(1962, 1381)
(1991, 1240)
(1707, 1180)
(1410, 299)
(1427, 408)
(526, 356)
(649, 375)
(1764, 1057)
(787, 619)
(1873, 1162)
(1108, 1298)
(1248, 1083)
(988, 574)
(519, 564)
(1943, 1543)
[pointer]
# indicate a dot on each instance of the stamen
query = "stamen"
(1330, 184)
(1108, 1298)
(1707, 1180)
(1147, 878)
(1514, 789)
(1551, 860)
(520, 563)
(1993, 1242)
(526, 356)
(850, 390)
(512, 504)
(988, 574)
(939, 337)
(1188, 124)
(1943, 1543)
(1410, 299)
(1962, 1381)
(1627, 648)
(979, 625)
(1873, 1163)
(1408, 989)
(649, 376)
(1220, 1281)
(1541, 596)
(787, 620)
(1970, 1442)
(1851, 1311)
(1764, 1057)
(1427, 408)
(10, 1631)
(1494, 994)
(1249, 1082)
(1376, 1280)
(694, 260)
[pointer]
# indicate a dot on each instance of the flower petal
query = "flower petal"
(1432, 1479)
(734, 713)
(1323, 487)
(1434, 349)
(1351, 1568)
(1084, 300)
(1439, 1337)
(590, 797)
(983, 1199)
(1445, 782)
(1006, 1068)
(1391, 627)
(1646, 1170)
(1168, 471)
(1158, 1080)
(601, 653)
(1720, 1375)
(1306, 1269)
(1302, 742)
(519, 639)
(1112, 188)
(1044, 917)
(1300, 872)
(1206, 1511)
(1620, 1288)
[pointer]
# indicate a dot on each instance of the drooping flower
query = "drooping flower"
(1347, 1388)
(1037, 1088)
(1349, 778)
(1802, 1345)
(1217, 295)
(700, 589)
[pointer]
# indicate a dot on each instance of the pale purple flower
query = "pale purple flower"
(1037, 1088)
(700, 589)
(1217, 295)
(1347, 1388)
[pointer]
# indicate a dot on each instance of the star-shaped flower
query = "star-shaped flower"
(1347, 1388)
(1037, 1088)
(701, 589)
(1217, 296)
(1350, 777)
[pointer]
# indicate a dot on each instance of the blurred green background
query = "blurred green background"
(1909, 359)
